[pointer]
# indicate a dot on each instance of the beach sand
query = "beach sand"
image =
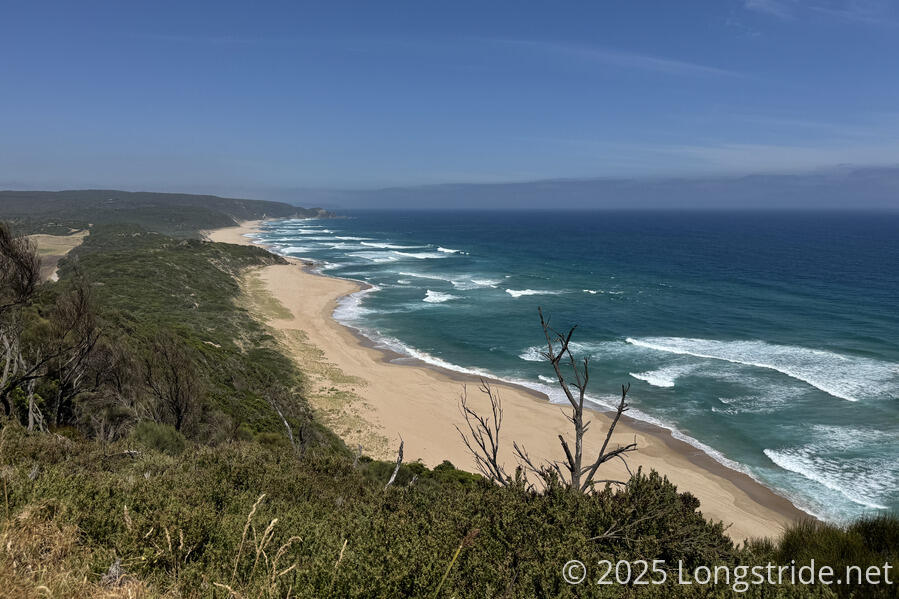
(373, 398)
(52, 248)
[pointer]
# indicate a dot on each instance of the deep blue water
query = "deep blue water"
(770, 340)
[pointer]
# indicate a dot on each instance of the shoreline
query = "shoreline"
(404, 397)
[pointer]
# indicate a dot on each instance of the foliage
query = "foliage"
(169, 304)
(159, 437)
(180, 523)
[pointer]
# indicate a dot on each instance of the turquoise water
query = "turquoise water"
(770, 341)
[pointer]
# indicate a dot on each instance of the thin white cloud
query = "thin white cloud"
(622, 59)
(868, 12)
(782, 9)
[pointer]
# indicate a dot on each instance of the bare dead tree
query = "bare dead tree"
(10, 356)
(35, 418)
(574, 472)
(19, 269)
(399, 462)
(482, 439)
(274, 396)
(19, 277)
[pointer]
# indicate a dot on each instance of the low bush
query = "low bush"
(159, 437)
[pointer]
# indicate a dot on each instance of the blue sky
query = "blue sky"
(238, 97)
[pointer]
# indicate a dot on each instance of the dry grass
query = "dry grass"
(42, 559)
(264, 577)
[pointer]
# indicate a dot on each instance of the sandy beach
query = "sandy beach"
(372, 398)
(52, 248)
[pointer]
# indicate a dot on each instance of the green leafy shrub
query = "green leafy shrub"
(185, 524)
(869, 541)
(160, 437)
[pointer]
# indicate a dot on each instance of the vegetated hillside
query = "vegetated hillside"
(172, 213)
(152, 291)
(175, 456)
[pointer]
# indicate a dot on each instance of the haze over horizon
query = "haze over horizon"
(292, 98)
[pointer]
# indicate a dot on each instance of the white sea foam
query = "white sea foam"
(420, 255)
(350, 238)
(591, 291)
(399, 347)
(521, 292)
(465, 282)
(664, 377)
(390, 246)
(376, 257)
(419, 275)
(438, 297)
(847, 377)
(532, 354)
(350, 309)
(772, 400)
(861, 480)
(546, 379)
(461, 282)
(294, 249)
(594, 350)
(486, 282)
(329, 266)
(306, 238)
(448, 250)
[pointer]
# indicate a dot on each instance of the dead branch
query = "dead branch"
(358, 455)
(396, 469)
(482, 439)
(576, 474)
(20, 269)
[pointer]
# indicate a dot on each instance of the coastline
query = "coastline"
(409, 399)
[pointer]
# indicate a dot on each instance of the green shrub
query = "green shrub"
(869, 541)
(160, 437)
(183, 524)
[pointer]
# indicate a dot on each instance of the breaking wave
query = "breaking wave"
(523, 292)
(438, 297)
(664, 377)
(847, 377)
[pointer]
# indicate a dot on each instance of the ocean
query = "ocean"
(769, 341)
